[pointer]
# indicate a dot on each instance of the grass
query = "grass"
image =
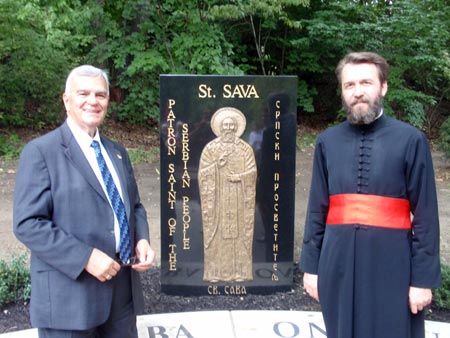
(306, 140)
(10, 146)
(141, 155)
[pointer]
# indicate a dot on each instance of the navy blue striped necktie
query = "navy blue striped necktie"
(117, 205)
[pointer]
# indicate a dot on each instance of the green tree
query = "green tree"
(415, 44)
(261, 33)
(30, 66)
(266, 24)
(136, 40)
(142, 41)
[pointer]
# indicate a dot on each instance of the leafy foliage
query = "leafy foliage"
(259, 24)
(444, 139)
(30, 66)
(137, 40)
(441, 295)
(141, 155)
(174, 38)
(10, 146)
(15, 282)
(398, 30)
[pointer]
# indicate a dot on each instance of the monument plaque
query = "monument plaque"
(227, 183)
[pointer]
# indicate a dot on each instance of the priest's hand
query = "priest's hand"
(310, 285)
(419, 298)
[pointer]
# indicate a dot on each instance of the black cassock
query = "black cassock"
(365, 271)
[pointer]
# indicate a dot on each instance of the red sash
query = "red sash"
(373, 210)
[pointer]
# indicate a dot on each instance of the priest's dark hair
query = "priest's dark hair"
(364, 57)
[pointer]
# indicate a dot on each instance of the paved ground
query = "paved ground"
(238, 324)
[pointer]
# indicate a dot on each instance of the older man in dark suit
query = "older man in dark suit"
(77, 208)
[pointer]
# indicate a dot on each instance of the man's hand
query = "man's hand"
(145, 254)
(101, 266)
(310, 285)
(419, 298)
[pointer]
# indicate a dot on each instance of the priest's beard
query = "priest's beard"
(363, 114)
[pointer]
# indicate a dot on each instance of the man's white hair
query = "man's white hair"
(86, 70)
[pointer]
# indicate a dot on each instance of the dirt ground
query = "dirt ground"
(147, 176)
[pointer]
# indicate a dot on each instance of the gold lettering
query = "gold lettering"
(235, 290)
(172, 257)
(171, 135)
(171, 139)
(186, 178)
(171, 150)
(172, 199)
(172, 223)
(227, 91)
(213, 290)
(172, 180)
(237, 92)
(171, 115)
(204, 91)
(186, 223)
(253, 92)
(275, 248)
(240, 91)
(277, 127)
(185, 159)
(171, 194)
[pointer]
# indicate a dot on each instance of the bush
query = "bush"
(140, 155)
(10, 146)
(442, 294)
(444, 137)
(15, 281)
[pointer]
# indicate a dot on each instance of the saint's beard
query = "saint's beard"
(363, 115)
(228, 136)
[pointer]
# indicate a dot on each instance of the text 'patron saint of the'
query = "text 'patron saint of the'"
(227, 181)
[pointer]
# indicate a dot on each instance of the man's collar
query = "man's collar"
(80, 135)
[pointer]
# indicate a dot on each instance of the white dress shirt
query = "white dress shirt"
(85, 141)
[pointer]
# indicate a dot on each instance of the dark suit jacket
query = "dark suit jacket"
(61, 213)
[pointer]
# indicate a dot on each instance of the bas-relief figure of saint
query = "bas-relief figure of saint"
(227, 182)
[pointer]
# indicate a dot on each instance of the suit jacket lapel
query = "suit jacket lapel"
(74, 154)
